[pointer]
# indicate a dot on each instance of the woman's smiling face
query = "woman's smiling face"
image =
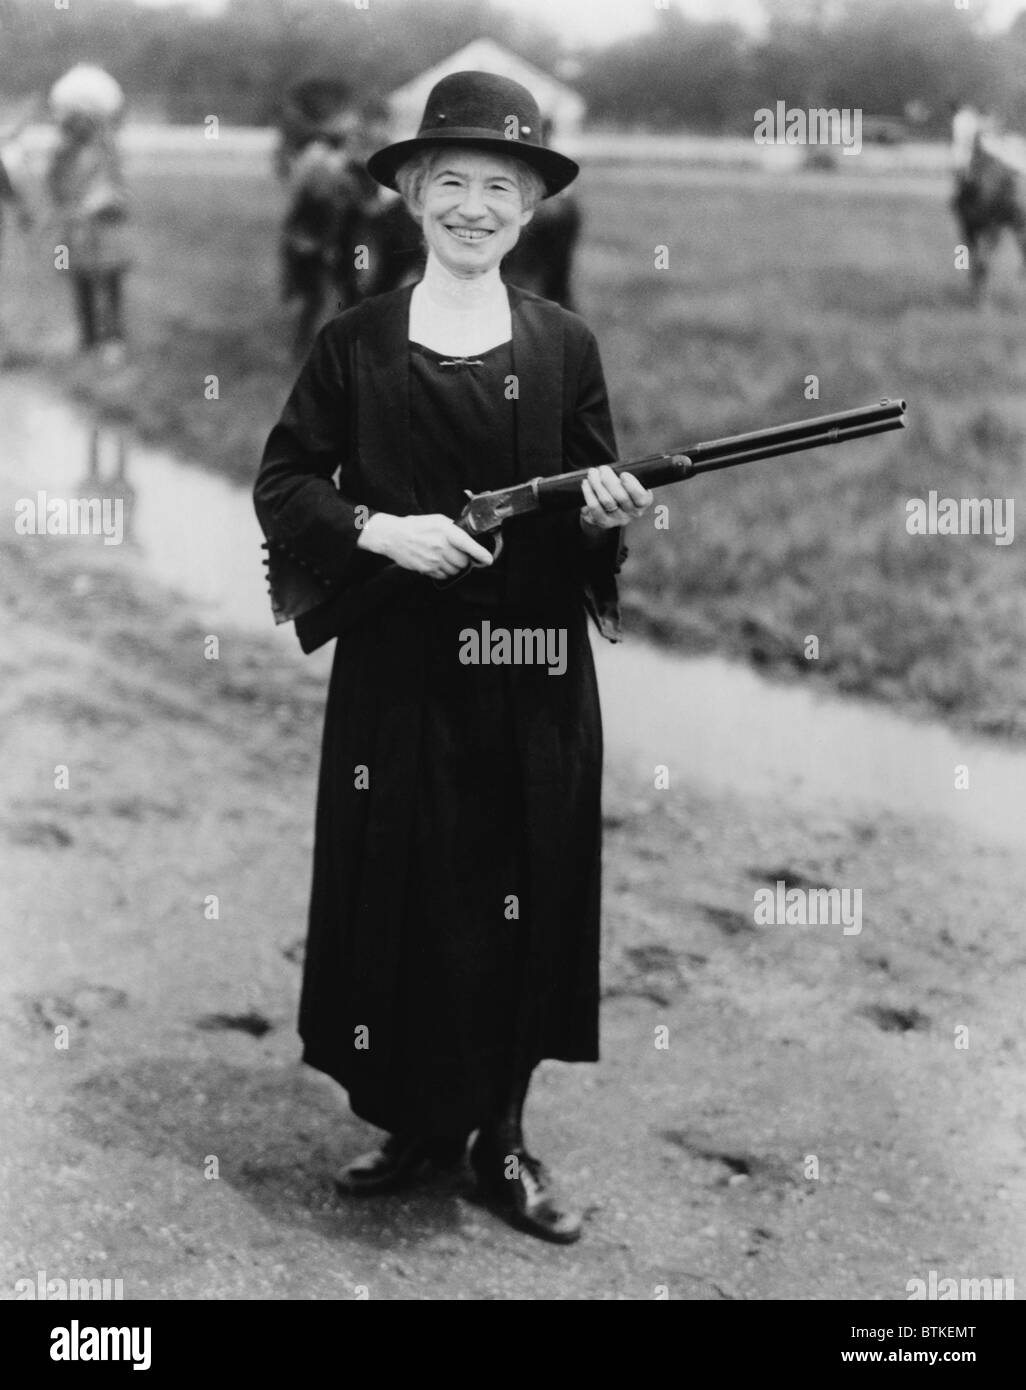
(472, 210)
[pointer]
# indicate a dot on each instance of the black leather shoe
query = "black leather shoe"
(527, 1198)
(398, 1162)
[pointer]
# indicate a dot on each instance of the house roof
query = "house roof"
(485, 55)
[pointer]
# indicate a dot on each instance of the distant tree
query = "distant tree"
(684, 73)
(239, 63)
(874, 54)
(882, 54)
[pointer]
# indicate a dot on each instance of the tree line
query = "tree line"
(882, 56)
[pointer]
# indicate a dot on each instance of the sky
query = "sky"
(598, 21)
(601, 19)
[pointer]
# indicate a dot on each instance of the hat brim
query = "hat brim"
(556, 169)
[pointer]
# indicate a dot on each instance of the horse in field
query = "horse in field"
(988, 200)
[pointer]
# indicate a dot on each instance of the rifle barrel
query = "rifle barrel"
(658, 469)
(319, 624)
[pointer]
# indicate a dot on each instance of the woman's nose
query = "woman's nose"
(473, 203)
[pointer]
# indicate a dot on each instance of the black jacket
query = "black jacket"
(349, 411)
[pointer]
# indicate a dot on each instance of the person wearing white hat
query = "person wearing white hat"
(87, 90)
(87, 188)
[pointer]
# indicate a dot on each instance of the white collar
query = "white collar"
(459, 317)
(443, 290)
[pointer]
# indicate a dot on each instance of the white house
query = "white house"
(561, 104)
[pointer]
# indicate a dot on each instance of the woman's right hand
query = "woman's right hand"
(433, 545)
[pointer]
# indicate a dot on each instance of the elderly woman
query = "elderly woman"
(454, 922)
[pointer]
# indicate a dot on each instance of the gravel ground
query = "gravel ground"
(191, 777)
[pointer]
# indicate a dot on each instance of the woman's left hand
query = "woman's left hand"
(612, 499)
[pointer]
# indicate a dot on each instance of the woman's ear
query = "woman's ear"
(526, 216)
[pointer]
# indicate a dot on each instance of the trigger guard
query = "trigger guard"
(492, 542)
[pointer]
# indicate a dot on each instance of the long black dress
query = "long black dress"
(454, 912)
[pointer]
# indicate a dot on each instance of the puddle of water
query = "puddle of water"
(710, 721)
(194, 532)
(720, 723)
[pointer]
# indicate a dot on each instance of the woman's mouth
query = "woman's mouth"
(470, 233)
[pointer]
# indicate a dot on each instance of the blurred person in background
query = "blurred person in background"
(309, 107)
(87, 189)
(11, 195)
(973, 134)
(989, 166)
(965, 125)
(370, 130)
(381, 226)
(454, 935)
(323, 196)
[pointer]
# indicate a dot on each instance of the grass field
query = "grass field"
(769, 281)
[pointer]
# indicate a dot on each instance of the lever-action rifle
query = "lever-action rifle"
(485, 512)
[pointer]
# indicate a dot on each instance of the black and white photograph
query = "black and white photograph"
(514, 664)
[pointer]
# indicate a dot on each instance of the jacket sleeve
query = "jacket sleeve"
(311, 529)
(589, 440)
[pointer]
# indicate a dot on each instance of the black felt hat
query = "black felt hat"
(486, 112)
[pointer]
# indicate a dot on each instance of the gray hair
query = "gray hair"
(413, 174)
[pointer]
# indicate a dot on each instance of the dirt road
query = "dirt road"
(176, 1143)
